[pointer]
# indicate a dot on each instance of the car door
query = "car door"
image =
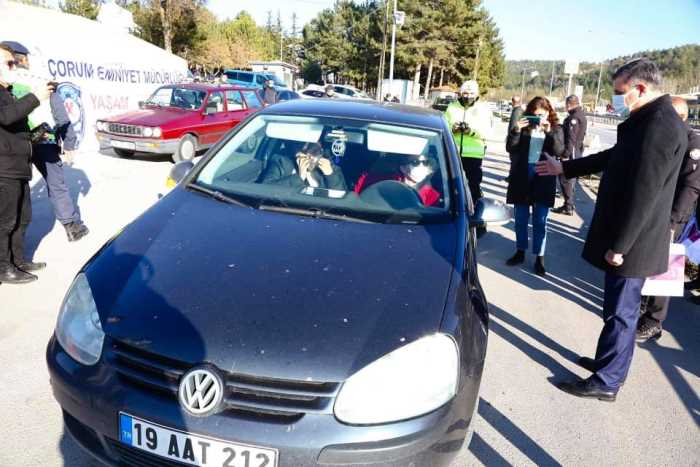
(236, 109)
(252, 99)
(214, 119)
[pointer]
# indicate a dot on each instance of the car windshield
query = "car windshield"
(275, 79)
(324, 166)
(183, 98)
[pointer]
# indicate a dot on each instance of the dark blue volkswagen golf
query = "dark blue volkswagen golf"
(306, 295)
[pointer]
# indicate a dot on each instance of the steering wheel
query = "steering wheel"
(391, 194)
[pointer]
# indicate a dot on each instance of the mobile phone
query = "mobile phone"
(533, 120)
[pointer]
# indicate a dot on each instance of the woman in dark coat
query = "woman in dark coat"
(536, 134)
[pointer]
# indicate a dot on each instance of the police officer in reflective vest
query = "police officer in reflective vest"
(470, 121)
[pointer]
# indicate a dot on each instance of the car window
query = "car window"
(218, 99)
(343, 90)
(252, 99)
(260, 79)
(183, 98)
(275, 79)
(371, 170)
(245, 77)
(234, 101)
(231, 75)
(283, 96)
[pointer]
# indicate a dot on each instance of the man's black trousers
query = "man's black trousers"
(15, 215)
(472, 168)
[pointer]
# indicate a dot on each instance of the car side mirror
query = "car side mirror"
(178, 172)
(141, 104)
(210, 108)
(488, 211)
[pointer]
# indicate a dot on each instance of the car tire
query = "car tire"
(186, 149)
(125, 153)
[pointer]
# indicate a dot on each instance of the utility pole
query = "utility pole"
(568, 88)
(393, 49)
(382, 60)
(597, 93)
(476, 64)
(522, 86)
(551, 81)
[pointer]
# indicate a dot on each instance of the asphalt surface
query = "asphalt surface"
(538, 328)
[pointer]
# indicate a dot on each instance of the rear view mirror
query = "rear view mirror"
(178, 172)
(489, 211)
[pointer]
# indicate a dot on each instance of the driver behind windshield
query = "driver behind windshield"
(416, 173)
(309, 168)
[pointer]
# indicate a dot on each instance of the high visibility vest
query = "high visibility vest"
(473, 144)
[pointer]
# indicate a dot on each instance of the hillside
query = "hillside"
(680, 67)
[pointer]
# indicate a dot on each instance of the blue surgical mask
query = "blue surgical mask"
(618, 103)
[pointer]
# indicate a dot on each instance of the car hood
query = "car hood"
(151, 116)
(270, 294)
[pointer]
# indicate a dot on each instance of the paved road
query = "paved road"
(539, 326)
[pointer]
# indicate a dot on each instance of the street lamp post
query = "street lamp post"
(393, 49)
(597, 93)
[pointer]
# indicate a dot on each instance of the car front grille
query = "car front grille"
(122, 129)
(245, 396)
(132, 457)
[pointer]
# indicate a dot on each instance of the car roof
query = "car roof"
(211, 87)
(362, 110)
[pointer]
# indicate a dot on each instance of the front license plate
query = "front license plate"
(123, 144)
(190, 448)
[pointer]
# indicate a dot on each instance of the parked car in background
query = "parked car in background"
(251, 318)
(179, 119)
(253, 79)
(346, 91)
(312, 91)
(441, 103)
(286, 95)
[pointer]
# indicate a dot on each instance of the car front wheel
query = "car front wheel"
(186, 150)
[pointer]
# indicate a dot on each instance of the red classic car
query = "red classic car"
(179, 119)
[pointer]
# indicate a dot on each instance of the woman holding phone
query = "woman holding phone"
(536, 134)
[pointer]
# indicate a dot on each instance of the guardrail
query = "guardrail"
(614, 120)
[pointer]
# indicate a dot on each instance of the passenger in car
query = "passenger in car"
(310, 167)
(416, 173)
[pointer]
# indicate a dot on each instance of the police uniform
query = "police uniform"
(655, 309)
(470, 144)
(574, 132)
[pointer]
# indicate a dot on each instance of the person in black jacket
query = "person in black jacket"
(309, 168)
(629, 236)
(15, 173)
(574, 132)
(655, 309)
(530, 141)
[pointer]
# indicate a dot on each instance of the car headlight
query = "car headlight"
(148, 132)
(101, 126)
(157, 132)
(78, 329)
(410, 381)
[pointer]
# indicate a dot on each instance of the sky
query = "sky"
(583, 30)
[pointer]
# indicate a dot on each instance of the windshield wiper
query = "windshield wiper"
(217, 195)
(315, 213)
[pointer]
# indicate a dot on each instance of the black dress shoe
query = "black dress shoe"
(588, 388)
(539, 266)
(648, 330)
(11, 275)
(75, 231)
(567, 211)
(29, 266)
(587, 363)
(517, 258)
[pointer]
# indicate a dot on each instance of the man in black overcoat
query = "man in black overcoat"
(629, 237)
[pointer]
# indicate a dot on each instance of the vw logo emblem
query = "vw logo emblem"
(201, 391)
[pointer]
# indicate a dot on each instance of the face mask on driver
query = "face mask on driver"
(467, 100)
(419, 173)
